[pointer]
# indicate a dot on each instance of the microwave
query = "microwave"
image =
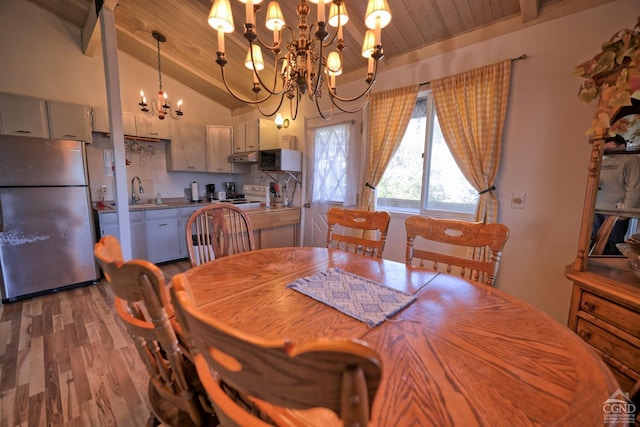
(280, 159)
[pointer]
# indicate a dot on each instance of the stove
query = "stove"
(257, 193)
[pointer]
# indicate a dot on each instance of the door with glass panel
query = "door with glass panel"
(333, 159)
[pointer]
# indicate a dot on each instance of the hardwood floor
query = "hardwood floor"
(65, 359)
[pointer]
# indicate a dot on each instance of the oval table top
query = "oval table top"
(461, 354)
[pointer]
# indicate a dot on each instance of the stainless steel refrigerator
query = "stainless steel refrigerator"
(46, 226)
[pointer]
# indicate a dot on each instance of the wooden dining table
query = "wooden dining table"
(462, 354)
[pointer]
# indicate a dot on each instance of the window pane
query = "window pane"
(448, 189)
(330, 174)
(401, 185)
(445, 188)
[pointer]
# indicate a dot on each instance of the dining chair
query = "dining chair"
(218, 230)
(356, 224)
(457, 233)
(253, 381)
(141, 300)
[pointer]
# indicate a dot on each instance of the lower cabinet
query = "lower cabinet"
(275, 228)
(163, 234)
(605, 312)
(108, 224)
(185, 213)
(277, 237)
(159, 235)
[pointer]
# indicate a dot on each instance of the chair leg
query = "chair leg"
(153, 421)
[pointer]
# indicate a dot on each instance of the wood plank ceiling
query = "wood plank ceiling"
(419, 29)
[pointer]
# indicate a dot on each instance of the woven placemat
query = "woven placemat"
(356, 296)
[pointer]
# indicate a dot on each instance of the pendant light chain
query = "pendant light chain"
(159, 67)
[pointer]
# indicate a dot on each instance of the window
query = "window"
(332, 172)
(422, 175)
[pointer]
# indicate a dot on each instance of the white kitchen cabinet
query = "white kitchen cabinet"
(138, 235)
(163, 234)
(23, 116)
(219, 148)
(100, 122)
(187, 150)
(152, 127)
(185, 213)
(258, 134)
(108, 224)
(69, 121)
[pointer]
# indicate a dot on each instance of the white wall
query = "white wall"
(544, 154)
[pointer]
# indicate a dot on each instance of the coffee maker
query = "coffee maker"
(230, 189)
(211, 190)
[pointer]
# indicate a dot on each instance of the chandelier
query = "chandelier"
(160, 105)
(301, 63)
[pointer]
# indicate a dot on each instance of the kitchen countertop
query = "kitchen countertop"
(169, 203)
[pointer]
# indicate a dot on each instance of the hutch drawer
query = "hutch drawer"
(610, 312)
(608, 343)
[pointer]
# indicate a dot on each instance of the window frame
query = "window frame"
(403, 211)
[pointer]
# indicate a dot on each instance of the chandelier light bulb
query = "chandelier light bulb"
(369, 43)
(275, 18)
(378, 12)
(338, 15)
(257, 61)
(279, 121)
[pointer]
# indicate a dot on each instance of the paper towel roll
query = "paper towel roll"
(195, 194)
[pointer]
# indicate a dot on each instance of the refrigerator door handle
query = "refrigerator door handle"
(1, 222)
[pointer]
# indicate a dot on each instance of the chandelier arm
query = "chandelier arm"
(294, 115)
(272, 48)
(238, 97)
(366, 91)
(345, 110)
(274, 111)
(321, 113)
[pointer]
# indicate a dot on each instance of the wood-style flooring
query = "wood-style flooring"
(66, 360)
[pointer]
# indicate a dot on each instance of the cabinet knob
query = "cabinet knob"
(589, 306)
(584, 334)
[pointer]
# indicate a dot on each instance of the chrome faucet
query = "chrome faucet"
(135, 197)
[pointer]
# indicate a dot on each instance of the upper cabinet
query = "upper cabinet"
(29, 116)
(258, 134)
(101, 122)
(187, 150)
(152, 127)
(69, 121)
(219, 148)
(23, 116)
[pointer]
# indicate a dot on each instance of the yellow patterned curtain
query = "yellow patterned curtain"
(389, 115)
(471, 108)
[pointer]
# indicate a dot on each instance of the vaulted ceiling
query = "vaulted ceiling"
(418, 29)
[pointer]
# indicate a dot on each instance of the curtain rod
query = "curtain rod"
(523, 56)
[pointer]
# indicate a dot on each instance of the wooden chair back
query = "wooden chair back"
(457, 233)
(218, 230)
(139, 287)
(357, 224)
(281, 378)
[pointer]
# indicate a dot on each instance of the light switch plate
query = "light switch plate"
(517, 200)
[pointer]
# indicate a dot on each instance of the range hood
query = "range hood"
(248, 157)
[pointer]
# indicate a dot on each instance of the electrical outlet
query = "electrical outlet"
(517, 200)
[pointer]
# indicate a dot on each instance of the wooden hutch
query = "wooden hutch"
(605, 302)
